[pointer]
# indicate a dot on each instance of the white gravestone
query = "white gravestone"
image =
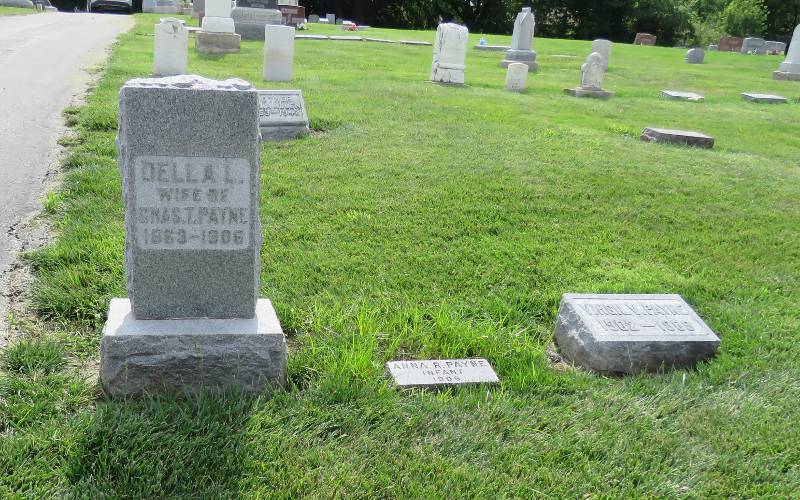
(331, 18)
(278, 53)
(603, 47)
(790, 67)
(217, 17)
(441, 372)
(449, 53)
(170, 48)
(632, 333)
(592, 73)
(522, 42)
(282, 114)
(516, 77)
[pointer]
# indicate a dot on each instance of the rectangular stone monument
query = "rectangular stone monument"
(790, 67)
(249, 22)
(189, 156)
(764, 98)
(632, 333)
(441, 372)
(292, 15)
(521, 50)
(278, 53)
(258, 4)
(449, 54)
(644, 39)
(754, 46)
(677, 95)
(170, 48)
(218, 35)
(282, 114)
(680, 137)
(331, 18)
(730, 44)
(774, 48)
(313, 18)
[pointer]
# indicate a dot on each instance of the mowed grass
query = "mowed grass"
(423, 221)
(15, 11)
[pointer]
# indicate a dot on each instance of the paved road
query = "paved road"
(42, 63)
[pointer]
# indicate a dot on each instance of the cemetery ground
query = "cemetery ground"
(426, 221)
(15, 11)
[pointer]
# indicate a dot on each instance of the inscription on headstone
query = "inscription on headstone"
(431, 373)
(282, 114)
(632, 333)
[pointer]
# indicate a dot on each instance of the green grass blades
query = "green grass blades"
(421, 221)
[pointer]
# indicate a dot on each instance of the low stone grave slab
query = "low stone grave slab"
(282, 114)
(492, 48)
(681, 137)
(217, 43)
(310, 37)
(786, 75)
(594, 94)
(380, 40)
(415, 42)
(677, 95)
(441, 372)
(632, 333)
(347, 38)
(764, 98)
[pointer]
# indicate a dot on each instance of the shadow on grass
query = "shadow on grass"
(189, 447)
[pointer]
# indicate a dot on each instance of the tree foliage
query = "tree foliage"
(745, 18)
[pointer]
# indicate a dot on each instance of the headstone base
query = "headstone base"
(187, 355)
(676, 95)
(785, 75)
(595, 94)
(682, 137)
(492, 48)
(217, 43)
(522, 56)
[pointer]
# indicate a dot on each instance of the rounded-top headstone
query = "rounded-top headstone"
(695, 56)
(592, 72)
(516, 77)
(170, 47)
(603, 47)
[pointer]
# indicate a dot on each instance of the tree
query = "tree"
(745, 17)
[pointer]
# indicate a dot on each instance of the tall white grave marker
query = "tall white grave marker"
(170, 48)
(790, 68)
(449, 53)
(278, 53)
(522, 42)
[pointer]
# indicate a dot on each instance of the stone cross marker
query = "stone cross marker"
(516, 77)
(695, 56)
(170, 48)
(522, 41)
(189, 155)
(592, 73)
(603, 47)
(632, 333)
(449, 53)
(790, 67)
(282, 114)
(278, 53)
(441, 372)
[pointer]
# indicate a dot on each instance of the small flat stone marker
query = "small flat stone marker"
(347, 38)
(677, 95)
(310, 37)
(415, 42)
(632, 333)
(282, 114)
(441, 372)
(492, 48)
(764, 98)
(682, 137)
(379, 40)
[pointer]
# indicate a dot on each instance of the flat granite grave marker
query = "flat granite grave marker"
(764, 98)
(632, 333)
(282, 114)
(681, 137)
(789, 69)
(441, 372)
(677, 95)
(449, 54)
(190, 159)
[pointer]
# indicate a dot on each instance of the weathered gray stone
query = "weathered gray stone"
(773, 47)
(713, 47)
(632, 333)
(516, 77)
(449, 54)
(695, 56)
(217, 43)
(250, 22)
(380, 40)
(682, 96)
(764, 98)
(594, 94)
(346, 38)
(189, 154)
(491, 48)
(441, 372)
(282, 114)
(603, 47)
(415, 42)
(522, 42)
(170, 47)
(310, 37)
(592, 73)
(331, 18)
(681, 137)
(754, 45)
(313, 18)
(184, 355)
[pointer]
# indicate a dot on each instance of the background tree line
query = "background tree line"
(689, 22)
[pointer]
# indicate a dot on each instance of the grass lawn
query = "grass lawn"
(15, 11)
(424, 221)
